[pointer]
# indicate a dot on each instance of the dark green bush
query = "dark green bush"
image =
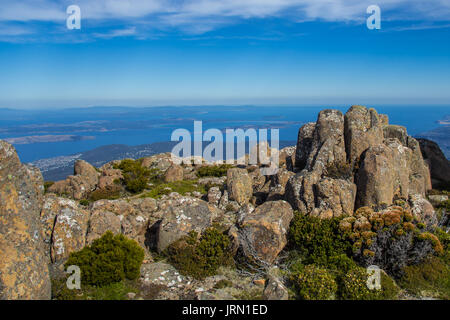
(317, 239)
(202, 257)
(135, 176)
(214, 171)
(108, 260)
(84, 202)
(314, 283)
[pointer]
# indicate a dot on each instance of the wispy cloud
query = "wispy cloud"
(117, 33)
(420, 27)
(197, 17)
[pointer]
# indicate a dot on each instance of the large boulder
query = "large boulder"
(100, 222)
(80, 185)
(24, 272)
(375, 179)
(263, 232)
(65, 225)
(109, 178)
(391, 171)
(174, 173)
(239, 185)
(161, 161)
(131, 218)
(363, 129)
(436, 160)
(304, 144)
(319, 196)
(181, 215)
(328, 145)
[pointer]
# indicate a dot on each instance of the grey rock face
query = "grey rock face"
(24, 270)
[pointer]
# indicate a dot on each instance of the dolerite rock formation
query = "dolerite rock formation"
(24, 270)
(78, 186)
(438, 163)
(348, 161)
(262, 232)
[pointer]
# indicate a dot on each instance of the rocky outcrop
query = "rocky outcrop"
(65, 225)
(262, 233)
(24, 270)
(436, 160)
(131, 218)
(162, 162)
(181, 215)
(109, 178)
(363, 129)
(174, 173)
(304, 144)
(352, 161)
(78, 186)
(239, 185)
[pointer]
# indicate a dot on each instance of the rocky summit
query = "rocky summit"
(345, 162)
(354, 191)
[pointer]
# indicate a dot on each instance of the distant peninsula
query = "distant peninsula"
(47, 138)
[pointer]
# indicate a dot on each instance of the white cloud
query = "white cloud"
(117, 33)
(201, 16)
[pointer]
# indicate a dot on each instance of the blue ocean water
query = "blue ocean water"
(136, 126)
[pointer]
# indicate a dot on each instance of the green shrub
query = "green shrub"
(201, 257)
(48, 184)
(432, 275)
(84, 202)
(444, 205)
(341, 263)
(108, 260)
(317, 239)
(314, 283)
(135, 176)
(353, 286)
(214, 171)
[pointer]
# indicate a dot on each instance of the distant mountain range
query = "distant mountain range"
(58, 168)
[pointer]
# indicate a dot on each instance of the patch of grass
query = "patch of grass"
(254, 294)
(111, 193)
(114, 291)
(181, 187)
(223, 284)
(214, 171)
(432, 275)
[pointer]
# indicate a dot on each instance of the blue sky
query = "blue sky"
(194, 52)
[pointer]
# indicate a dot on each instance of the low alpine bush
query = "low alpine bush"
(110, 259)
